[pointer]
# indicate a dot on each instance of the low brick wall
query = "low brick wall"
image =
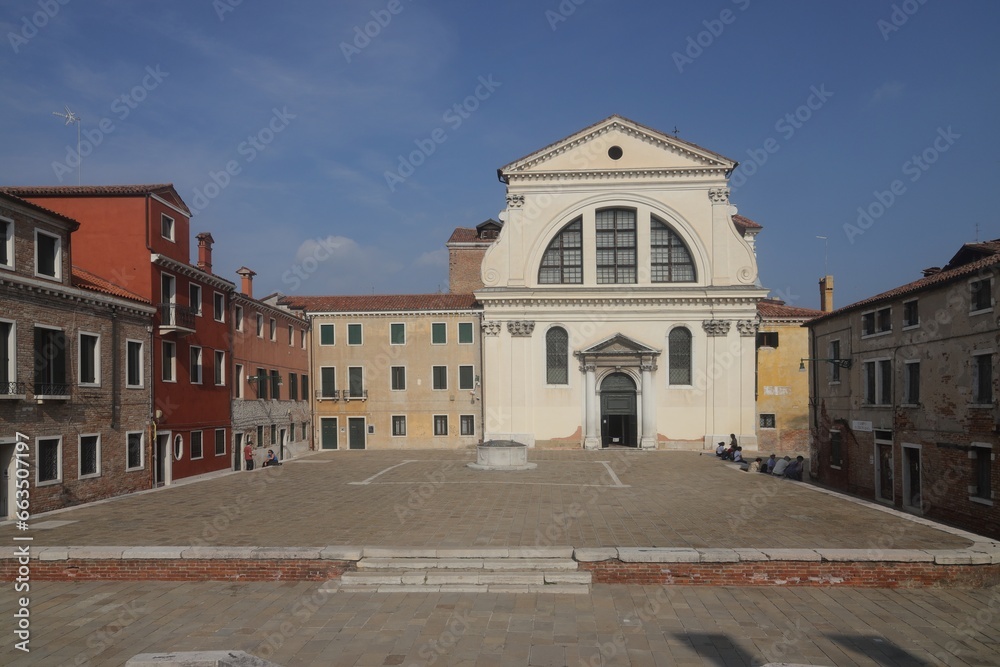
(161, 569)
(795, 573)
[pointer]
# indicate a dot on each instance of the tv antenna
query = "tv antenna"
(70, 119)
(826, 255)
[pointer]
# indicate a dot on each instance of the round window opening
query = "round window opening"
(615, 152)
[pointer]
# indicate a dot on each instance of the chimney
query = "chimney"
(826, 294)
(205, 242)
(247, 285)
(931, 271)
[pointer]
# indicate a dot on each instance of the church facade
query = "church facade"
(619, 297)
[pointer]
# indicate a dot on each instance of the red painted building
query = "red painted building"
(138, 236)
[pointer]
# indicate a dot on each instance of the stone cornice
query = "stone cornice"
(312, 315)
(75, 294)
(630, 301)
(618, 175)
(192, 272)
(241, 299)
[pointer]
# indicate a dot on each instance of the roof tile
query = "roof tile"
(87, 280)
(381, 302)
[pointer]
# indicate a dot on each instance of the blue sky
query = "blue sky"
(309, 117)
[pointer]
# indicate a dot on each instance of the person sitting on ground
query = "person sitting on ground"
(728, 454)
(769, 468)
(794, 469)
(738, 455)
(271, 460)
(756, 465)
(779, 467)
(721, 449)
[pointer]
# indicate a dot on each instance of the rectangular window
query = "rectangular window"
(197, 450)
(466, 377)
(272, 328)
(48, 456)
(439, 333)
(274, 434)
(440, 424)
(983, 463)
(878, 382)
(48, 255)
(981, 295)
(834, 369)
(767, 339)
(465, 333)
(328, 381)
(911, 383)
(166, 227)
(8, 358)
(615, 240)
(169, 367)
(293, 386)
(6, 243)
(467, 424)
(50, 362)
(220, 368)
(399, 425)
(326, 334)
(219, 306)
(836, 449)
(440, 377)
(134, 450)
(194, 294)
(195, 365)
(879, 321)
(982, 379)
(302, 339)
(239, 318)
(239, 380)
(354, 336)
(397, 333)
(885, 380)
(397, 376)
(356, 381)
(275, 385)
(89, 456)
(867, 324)
(220, 442)
(89, 360)
(133, 364)
(262, 383)
(911, 316)
(305, 387)
(260, 325)
(260, 436)
(766, 420)
(291, 335)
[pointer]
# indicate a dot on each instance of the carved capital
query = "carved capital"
(491, 328)
(747, 327)
(719, 195)
(648, 366)
(521, 328)
(515, 201)
(716, 327)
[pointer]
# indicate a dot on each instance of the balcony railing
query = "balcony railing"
(327, 395)
(175, 316)
(12, 389)
(356, 395)
(51, 390)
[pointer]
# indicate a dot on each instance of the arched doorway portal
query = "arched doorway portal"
(618, 413)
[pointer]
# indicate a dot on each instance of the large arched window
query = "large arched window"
(562, 262)
(556, 356)
(670, 261)
(615, 245)
(679, 350)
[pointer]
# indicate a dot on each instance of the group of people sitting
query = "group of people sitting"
(783, 467)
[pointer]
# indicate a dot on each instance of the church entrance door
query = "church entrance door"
(618, 411)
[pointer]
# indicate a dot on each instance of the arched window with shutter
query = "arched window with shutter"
(670, 260)
(556, 356)
(679, 356)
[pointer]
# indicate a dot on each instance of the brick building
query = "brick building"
(270, 376)
(904, 388)
(138, 236)
(466, 249)
(74, 368)
(395, 372)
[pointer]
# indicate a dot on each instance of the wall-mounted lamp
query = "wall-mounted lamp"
(158, 414)
(843, 363)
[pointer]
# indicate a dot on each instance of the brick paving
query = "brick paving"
(430, 498)
(103, 623)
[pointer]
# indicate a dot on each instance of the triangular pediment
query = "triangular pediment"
(620, 345)
(618, 144)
